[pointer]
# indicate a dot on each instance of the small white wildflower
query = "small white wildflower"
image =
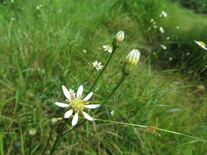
(168, 38)
(163, 46)
(155, 26)
(162, 30)
(170, 59)
(97, 65)
(77, 104)
(152, 20)
(163, 14)
(112, 112)
(84, 51)
(177, 27)
(188, 53)
(39, 7)
(154, 23)
(201, 44)
(149, 28)
(12, 1)
(107, 48)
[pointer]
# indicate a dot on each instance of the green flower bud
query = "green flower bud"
(32, 132)
(131, 61)
(118, 38)
(54, 121)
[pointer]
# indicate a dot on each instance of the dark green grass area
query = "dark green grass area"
(41, 48)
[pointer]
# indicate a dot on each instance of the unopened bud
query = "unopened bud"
(54, 121)
(118, 38)
(32, 132)
(131, 61)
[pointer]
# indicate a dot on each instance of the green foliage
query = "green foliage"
(199, 6)
(41, 49)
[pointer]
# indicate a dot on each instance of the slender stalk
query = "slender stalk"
(48, 140)
(114, 49)
(30, 145)
(58, 137)
(154, 128)
(117, 86)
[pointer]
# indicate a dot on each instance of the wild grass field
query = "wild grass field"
(45, 44)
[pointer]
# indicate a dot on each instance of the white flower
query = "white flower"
(152, 20)
(155, 26)
(133, 57)
(112, 112)
(84, 51)
(77, 104)
(162, 30)
(177, 27)
(107, 48)
(164, 47)
(168, 38)
(163, 14)
(201, 44)
(97, 65)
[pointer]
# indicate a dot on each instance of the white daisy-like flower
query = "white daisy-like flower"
(97, 65)
(107, 48)
(162, 30)
(201, 44)
(77, 104)
(155, 26)
(163, 14)
(163, 47)
(168, 38)
(152, 20)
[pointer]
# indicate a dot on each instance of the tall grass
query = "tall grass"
(41, 49)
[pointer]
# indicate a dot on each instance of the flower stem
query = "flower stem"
(114, 49)
(30, 145)
(48, 140)
(117, 86)
(58, 137)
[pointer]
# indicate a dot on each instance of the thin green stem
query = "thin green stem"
(48, 140)
(153, 129)
(30, 145)
(117, 86)
(114, 49)
(58, 137)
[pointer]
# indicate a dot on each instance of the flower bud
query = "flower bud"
(32, 132)
(131, 61)
(54, 121)
(118, 38)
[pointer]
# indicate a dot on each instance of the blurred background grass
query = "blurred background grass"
(41, 46)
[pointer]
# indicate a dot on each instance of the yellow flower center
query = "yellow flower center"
(202, 43)
(77, 105)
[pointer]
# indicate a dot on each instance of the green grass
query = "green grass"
(43, 49)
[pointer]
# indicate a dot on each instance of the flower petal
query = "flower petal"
(80, 92)
(88, 96)
(75, 119)
(88, 117)
(92, 106)
(66, 92)
(68, 113)
(63, 105)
